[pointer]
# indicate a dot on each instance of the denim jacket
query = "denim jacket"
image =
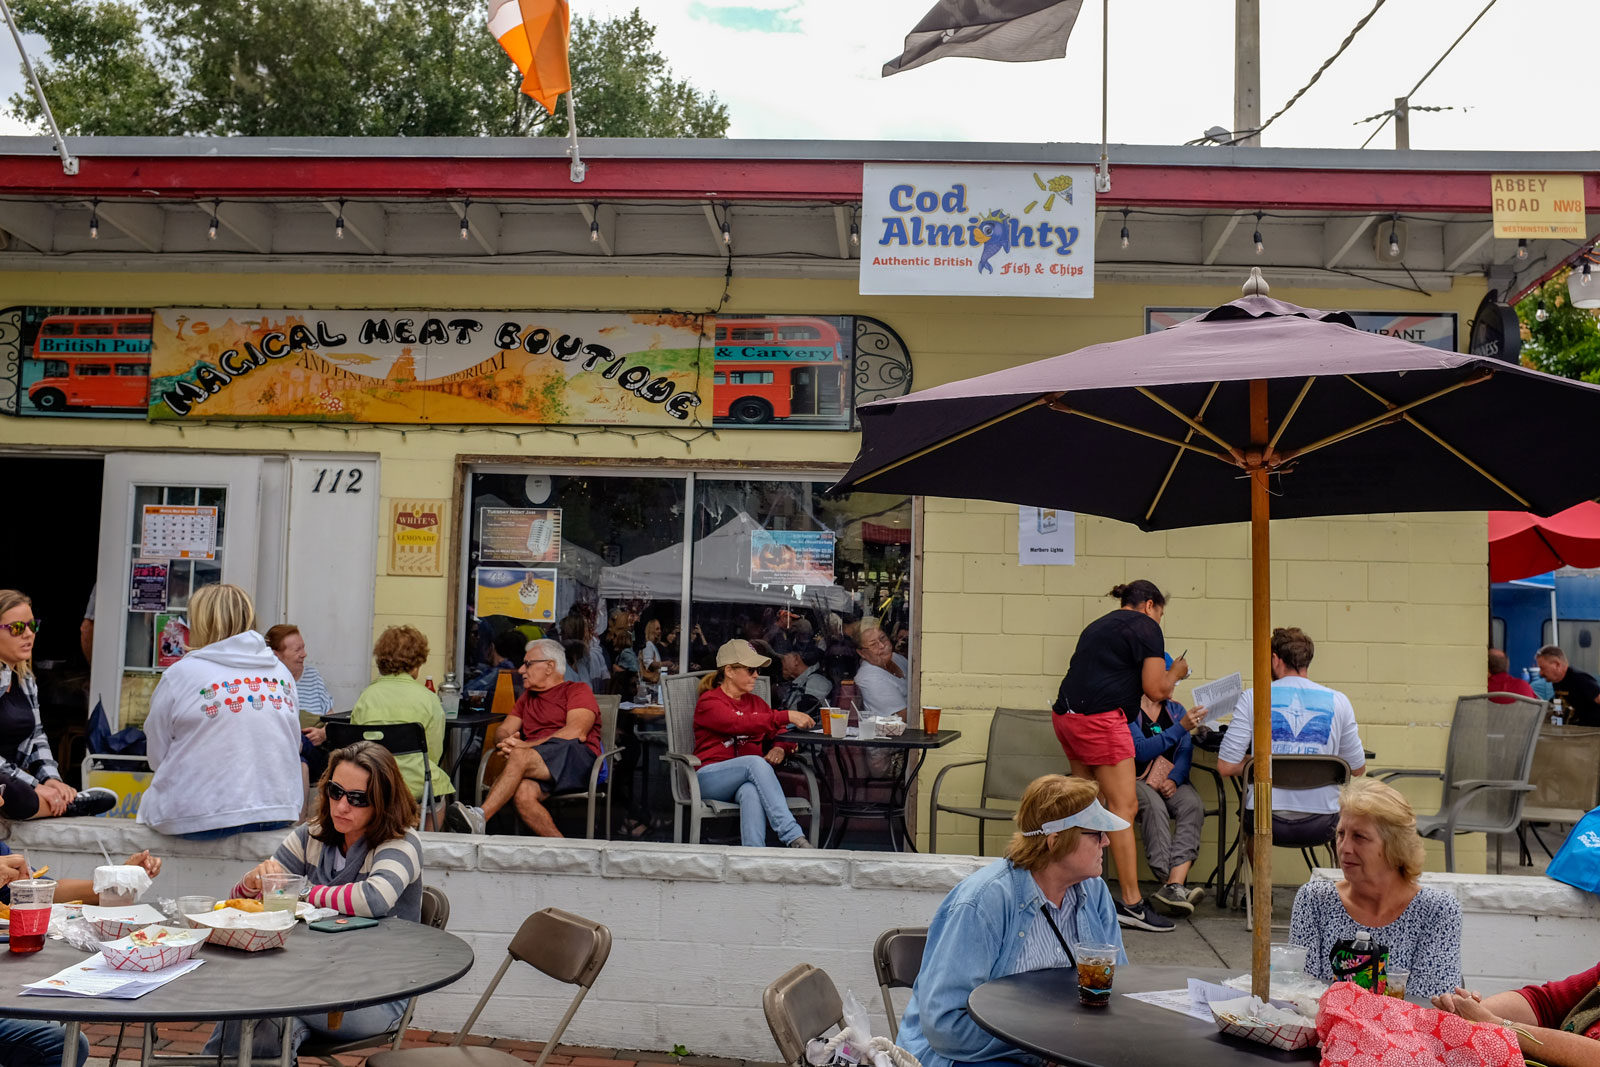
(976, 936)
(32, 762)
(1170, 740)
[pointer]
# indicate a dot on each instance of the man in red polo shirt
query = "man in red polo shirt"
(550, 742)
(1501, 680)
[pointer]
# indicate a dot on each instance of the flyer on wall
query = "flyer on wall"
(520, 535)
(791, 557)
(1046, 537)
(148, 586)
(172, 639)
(516, 592)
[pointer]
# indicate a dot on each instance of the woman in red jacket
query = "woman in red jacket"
(1557, 1023)
(733, 734)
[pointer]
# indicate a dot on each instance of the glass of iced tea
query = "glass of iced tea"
(1097, 966)
(30, 913)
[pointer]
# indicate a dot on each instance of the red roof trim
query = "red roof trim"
(839, 181)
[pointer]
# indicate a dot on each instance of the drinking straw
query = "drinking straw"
(103, 851)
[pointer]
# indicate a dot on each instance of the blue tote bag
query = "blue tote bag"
(1578, 862)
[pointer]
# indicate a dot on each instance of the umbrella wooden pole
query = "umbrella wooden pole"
(1261, 639)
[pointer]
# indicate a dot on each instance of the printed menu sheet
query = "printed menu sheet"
(95, 977)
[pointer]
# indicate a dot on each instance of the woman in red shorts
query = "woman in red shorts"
(1120, 657)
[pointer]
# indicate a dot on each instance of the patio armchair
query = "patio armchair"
(1486, 769)
(1022, 746)
(679, 693)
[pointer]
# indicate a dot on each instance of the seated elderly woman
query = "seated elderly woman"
(397, 697)
(1380, 895)
(1020, 913)
(1557, 1024)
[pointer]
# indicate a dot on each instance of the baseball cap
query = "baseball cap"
(1094, 817)
(741, 652)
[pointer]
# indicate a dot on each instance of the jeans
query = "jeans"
(752, 782)
(228, 831)
(31, 1044)
(265, 1044)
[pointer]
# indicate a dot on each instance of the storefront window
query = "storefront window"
(598, 561)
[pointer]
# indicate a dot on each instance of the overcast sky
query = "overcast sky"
(810, 69)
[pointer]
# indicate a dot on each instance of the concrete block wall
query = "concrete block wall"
(1395, 604)
(698, 930)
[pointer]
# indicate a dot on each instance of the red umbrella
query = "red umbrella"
(1522, 544)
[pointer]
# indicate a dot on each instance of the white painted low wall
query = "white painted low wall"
(1517, 929)
(699, 930)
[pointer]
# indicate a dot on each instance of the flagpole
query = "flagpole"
(579, 168)
(69, 162)
(1102, 176)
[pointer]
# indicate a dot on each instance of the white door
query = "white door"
(331, 578)
(198, 519)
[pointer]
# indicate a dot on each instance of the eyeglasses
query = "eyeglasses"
(15, 628)
(358, 798)
(535, 662)
(739, 667)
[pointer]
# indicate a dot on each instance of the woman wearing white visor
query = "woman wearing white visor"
(1023, 912)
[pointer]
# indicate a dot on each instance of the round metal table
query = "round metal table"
(313, 973)
(1038, 1011)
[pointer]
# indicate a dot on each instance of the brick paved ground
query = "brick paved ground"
(191, 1037)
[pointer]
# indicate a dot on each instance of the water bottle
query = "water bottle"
(450, 695)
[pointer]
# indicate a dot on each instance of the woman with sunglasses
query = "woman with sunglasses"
(734, 732)
(360, 857)
(30, 782)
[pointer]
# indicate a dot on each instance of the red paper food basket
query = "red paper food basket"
(175, 946)
(1286, 1036)
(109, 924)
(248, 931)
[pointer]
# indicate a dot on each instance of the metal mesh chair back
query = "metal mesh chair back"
(567, 947)
(679, 694)
(799, 1006)
(1494, 741)
(1022, 746)
(1566, 768)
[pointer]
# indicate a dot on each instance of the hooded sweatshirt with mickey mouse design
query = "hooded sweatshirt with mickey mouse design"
(224, 740)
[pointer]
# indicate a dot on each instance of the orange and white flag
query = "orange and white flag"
(534, 34)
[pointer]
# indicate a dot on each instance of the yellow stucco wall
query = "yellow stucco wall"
(1397, 604)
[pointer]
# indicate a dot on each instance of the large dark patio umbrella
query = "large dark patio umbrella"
(1257, 409)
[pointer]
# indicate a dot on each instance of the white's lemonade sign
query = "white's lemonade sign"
(952, 230)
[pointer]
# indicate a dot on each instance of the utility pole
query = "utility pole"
(1247, 69)
(1402, 123)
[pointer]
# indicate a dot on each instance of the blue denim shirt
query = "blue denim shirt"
(976, 936)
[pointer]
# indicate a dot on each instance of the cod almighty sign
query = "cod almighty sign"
(430, 366)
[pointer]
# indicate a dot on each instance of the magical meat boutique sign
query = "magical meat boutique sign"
(640, 369)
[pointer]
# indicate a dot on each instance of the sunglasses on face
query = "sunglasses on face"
(15, 628)
(358, 798)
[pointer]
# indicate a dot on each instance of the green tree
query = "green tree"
(1567, 342)
(366, 68)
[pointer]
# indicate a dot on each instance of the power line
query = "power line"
(1431, 69)
(1239, 135)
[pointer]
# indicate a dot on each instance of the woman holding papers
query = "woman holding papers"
(1120, 658)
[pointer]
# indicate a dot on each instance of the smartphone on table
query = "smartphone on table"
(343, 923)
